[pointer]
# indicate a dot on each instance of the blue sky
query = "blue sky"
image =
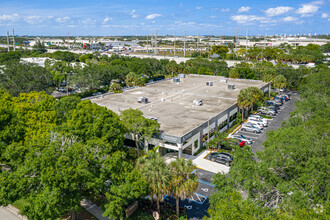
(132, 17)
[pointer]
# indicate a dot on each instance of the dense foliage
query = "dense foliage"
(291, 179)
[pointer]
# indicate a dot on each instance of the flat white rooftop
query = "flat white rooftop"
(172, 103)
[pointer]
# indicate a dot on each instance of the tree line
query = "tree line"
(290, 179)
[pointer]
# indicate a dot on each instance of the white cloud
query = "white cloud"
(246, 18)
(152, 16)
(213, 16)
(62, 20)
(133, 13)
(277, 11)
(225, 9)
(13, 17)
(33, 19)
(243, 9)
(88, 21)
(290, 18)
(309, 9)
(106, 19)
(324, 15)
(199, 7)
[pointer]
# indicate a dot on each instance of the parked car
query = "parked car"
(250, 128)
(241, 137)
(255, 120)
(222, 157)
(272, 103)
(256, 124)
(263, 110)
(275, 109)
(62, 89)
(258, 117)
(282, 89)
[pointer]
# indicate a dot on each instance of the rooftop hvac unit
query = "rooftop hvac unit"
(182, 75)
(231, 86)
(176, 80)
(143, 100)
(209, 83)
(224, 80)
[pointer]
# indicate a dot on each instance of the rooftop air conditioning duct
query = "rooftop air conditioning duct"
(209, 83)
(231, 86)
(143, 100)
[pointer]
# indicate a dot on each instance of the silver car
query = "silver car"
(264, 123)
(241, 137)
(250, 127)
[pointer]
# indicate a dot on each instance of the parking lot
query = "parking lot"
(273, 124)
(196, 205)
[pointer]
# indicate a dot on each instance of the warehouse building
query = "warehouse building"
(189, 108)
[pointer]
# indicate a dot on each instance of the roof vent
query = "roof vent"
(224, 80)
(209, 83)
(143, 100)
(176, 80)
(231, 86)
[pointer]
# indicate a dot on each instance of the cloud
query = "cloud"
(152, 16)
(62, 20)
(199, 7)
(106, 19)
(33, 19)
(290, 18)
(181, 4)
(309, 9)
(225, 9)
(88, 21)
(133, 13)
(324, 15)
(213, 16)
(12, 18)
(246, 18)
(243, 9)
(277, 11)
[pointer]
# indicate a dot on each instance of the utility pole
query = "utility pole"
(247, 32)
(68, 40)
(156, 42)
(198, 43)
(14, 40)
(147, 45)
(174, 44)
(235, 42)
(8, 41)
(184, 44)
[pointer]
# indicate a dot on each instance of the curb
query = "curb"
(15, 211)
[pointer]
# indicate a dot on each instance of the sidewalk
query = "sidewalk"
(93, 209)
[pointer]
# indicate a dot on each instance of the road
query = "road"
(7, 215)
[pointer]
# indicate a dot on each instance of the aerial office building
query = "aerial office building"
(189, 108)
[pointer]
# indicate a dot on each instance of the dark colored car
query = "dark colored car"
(223, 158)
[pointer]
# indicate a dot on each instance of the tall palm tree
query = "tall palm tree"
(244, 100)
(256, 94)
(279, 82)
(183, 182)
(155, 171)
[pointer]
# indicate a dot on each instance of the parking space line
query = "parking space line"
(206, 183)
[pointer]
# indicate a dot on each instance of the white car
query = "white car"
(264, 120)
(255, 124)
(264, 124)
(250, 127)
(241, 137)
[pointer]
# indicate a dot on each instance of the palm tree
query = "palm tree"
(183, 182)
(279, 82)
(256, 94)
(154, 170)
(244, 100)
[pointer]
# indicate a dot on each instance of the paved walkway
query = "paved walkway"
(5, 214)
(93, 209)
(200, 162)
